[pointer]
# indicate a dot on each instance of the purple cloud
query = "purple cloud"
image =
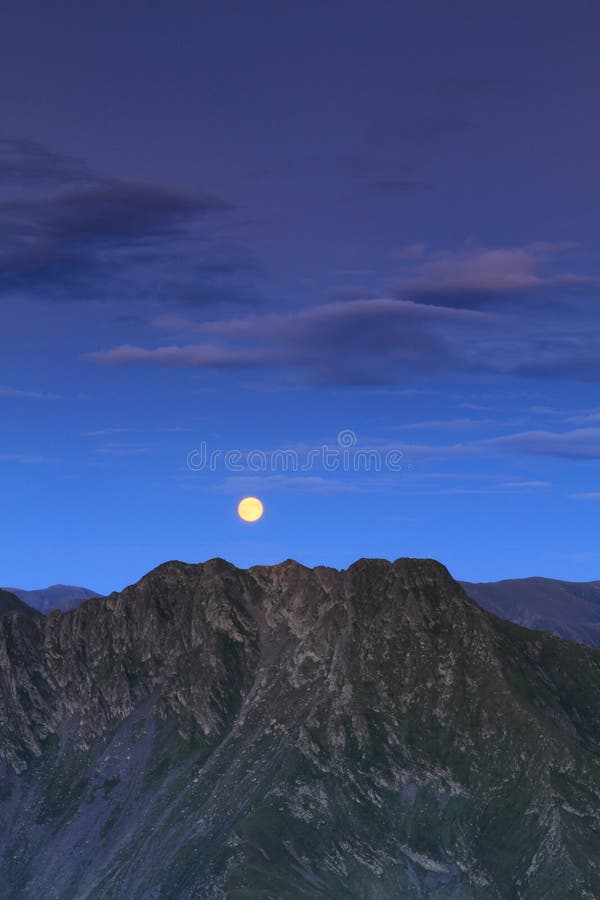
(473, 274)
(361, 341)
(204, 356)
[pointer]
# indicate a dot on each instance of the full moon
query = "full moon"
(250, 509)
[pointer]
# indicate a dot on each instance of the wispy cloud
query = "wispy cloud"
(472, 275)
(578, 444)
(527, 485)
(104, 432)
(312, 484)
(365, 341)
(27, 459)
(18, 394)
(114, 449)
(306, 484)
(442, 424)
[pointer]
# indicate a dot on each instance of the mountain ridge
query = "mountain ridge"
(214, 732)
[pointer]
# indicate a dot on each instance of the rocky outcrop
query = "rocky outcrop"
(284, 732)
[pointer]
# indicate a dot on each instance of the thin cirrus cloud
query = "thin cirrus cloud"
(577, 444)
(313, 484)
(581, 444)
(106, 432)
(68, 233)
(115, 449)
(579, 358)
(18, 394)
(26, 459)
(586, 418)
(443, 424)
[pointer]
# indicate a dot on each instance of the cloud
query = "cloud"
(588, 418)
(16, 394)
(27, 459)
(358, 309)
(579, 444)
(578, 359)
(435, 323)
(590, 495)
(357, 342)
(205, 356)
(112, 449)
(451, 492)
(443, 424)
(585, 416)
(68, 233)
(370, 341)
(110, 210)
(472, 276)
(311, 484)
(527, 485)
(104, 432)
(25, 163)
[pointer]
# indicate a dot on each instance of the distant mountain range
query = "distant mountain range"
(213, 733)
(568, 608)
(57, 596)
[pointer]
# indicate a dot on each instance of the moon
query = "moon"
(250, 509)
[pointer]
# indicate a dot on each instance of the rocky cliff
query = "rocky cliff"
(282, 732)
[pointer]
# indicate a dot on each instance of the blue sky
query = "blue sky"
(257, 226)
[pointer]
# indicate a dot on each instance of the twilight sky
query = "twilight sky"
(260, 227)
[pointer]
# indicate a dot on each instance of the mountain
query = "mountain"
(57, 596)
(568, 608)
(11, 603)
(284, 733)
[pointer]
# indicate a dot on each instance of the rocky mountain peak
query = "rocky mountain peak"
(367, 732)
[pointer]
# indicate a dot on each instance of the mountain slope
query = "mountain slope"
(567, 608)
(11, 603)
(281, 732)
(57, 596)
